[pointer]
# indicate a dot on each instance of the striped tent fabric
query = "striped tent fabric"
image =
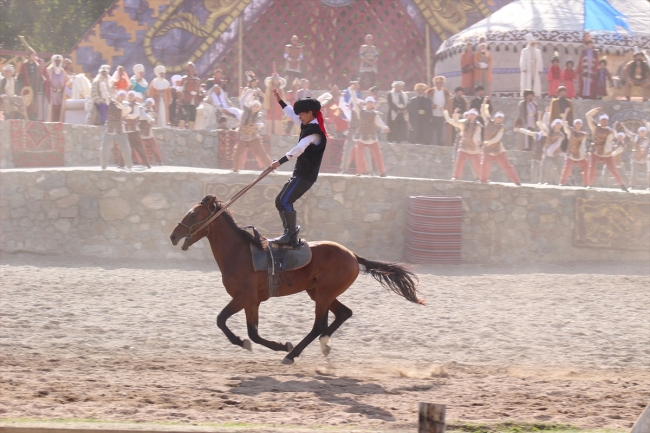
(434, 230)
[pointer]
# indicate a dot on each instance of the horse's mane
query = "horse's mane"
(257, 241)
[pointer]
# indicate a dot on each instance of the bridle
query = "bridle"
(203, 223)
(216, 212)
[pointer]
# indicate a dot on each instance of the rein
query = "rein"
(214, 214)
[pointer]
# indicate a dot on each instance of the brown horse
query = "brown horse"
(332, 270)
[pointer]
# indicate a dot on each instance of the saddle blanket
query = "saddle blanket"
(285, 258)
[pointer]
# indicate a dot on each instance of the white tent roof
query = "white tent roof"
(555, 21)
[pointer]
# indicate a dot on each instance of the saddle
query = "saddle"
(275, 259)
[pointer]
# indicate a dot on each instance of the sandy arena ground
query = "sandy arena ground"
(127, 340)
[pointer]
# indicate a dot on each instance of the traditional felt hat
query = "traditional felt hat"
(304, 105)
(420, 86)
(556, 122)
(276, 76)
(138, 68)
(472, 111)
(397, 83)
(150, 100)
(175, 78)
(9, 68)
(530, 37)
(104, 68)
(370, 99)
(499, 114)
(160, 69)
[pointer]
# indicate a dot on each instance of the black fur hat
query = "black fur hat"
(304, 105)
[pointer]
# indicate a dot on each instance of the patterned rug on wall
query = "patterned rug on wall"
(37, 144)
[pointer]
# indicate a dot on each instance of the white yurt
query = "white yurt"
(557, 25)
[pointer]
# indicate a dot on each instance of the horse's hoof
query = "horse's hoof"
(325, 345)
(247, 345)
(289, 346)
(287, 361)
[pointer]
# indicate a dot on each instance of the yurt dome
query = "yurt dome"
(557, 25)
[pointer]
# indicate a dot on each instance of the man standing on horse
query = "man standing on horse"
(308, 154)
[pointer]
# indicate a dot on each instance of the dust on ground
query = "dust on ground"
(136, 340)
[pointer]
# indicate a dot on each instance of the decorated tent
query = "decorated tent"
(208, 32)
(557, 25)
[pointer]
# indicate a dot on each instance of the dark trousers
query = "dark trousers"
(290, 192)
(437, 127)
(189, 112)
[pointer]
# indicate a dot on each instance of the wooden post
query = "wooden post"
(240, 53)
(432, 418)
(428, 52)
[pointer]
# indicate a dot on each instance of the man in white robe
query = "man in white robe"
(531, 66)
(160, 92)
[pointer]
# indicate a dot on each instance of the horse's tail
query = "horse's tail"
(394, 277)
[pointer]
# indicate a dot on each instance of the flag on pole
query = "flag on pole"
(600, 15)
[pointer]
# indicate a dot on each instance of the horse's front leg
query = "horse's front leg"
(252, 320)
(233, 307)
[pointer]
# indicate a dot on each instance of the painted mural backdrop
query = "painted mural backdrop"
(173, 32)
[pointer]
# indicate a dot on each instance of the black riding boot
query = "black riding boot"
(290, 235)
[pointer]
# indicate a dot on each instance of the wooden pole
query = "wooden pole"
(432, 418)
(428, 52)
(240, 53)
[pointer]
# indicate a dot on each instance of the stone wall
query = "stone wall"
(200, 148)
(130, 214)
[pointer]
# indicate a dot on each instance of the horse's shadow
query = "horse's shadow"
(328, 389)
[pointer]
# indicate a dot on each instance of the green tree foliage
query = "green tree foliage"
(49, 26)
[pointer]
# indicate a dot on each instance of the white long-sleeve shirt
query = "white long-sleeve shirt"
(305, 141)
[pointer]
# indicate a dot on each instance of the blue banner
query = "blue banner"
(600, 15)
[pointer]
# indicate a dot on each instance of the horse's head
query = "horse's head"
(190, 226)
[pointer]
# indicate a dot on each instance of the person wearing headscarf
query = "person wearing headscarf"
(120, 80)
(132, 127)
(531, 66)
(252, 121)
(147, 120)
(470, 143)
(553, 159)
(493, 150)
(114, 131)
(100, 93)
(602, 146)
(640, 161)
(397, 113)
(367, 138)
(160, 92)
(308, 154)
(458, 102)
(138, 82)
(57, 79)
(576, 152)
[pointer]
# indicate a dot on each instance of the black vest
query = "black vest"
(308, 164)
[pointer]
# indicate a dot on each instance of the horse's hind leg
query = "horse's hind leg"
(252, 320)
(320, 326)
(232, 308)
(341, 314)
